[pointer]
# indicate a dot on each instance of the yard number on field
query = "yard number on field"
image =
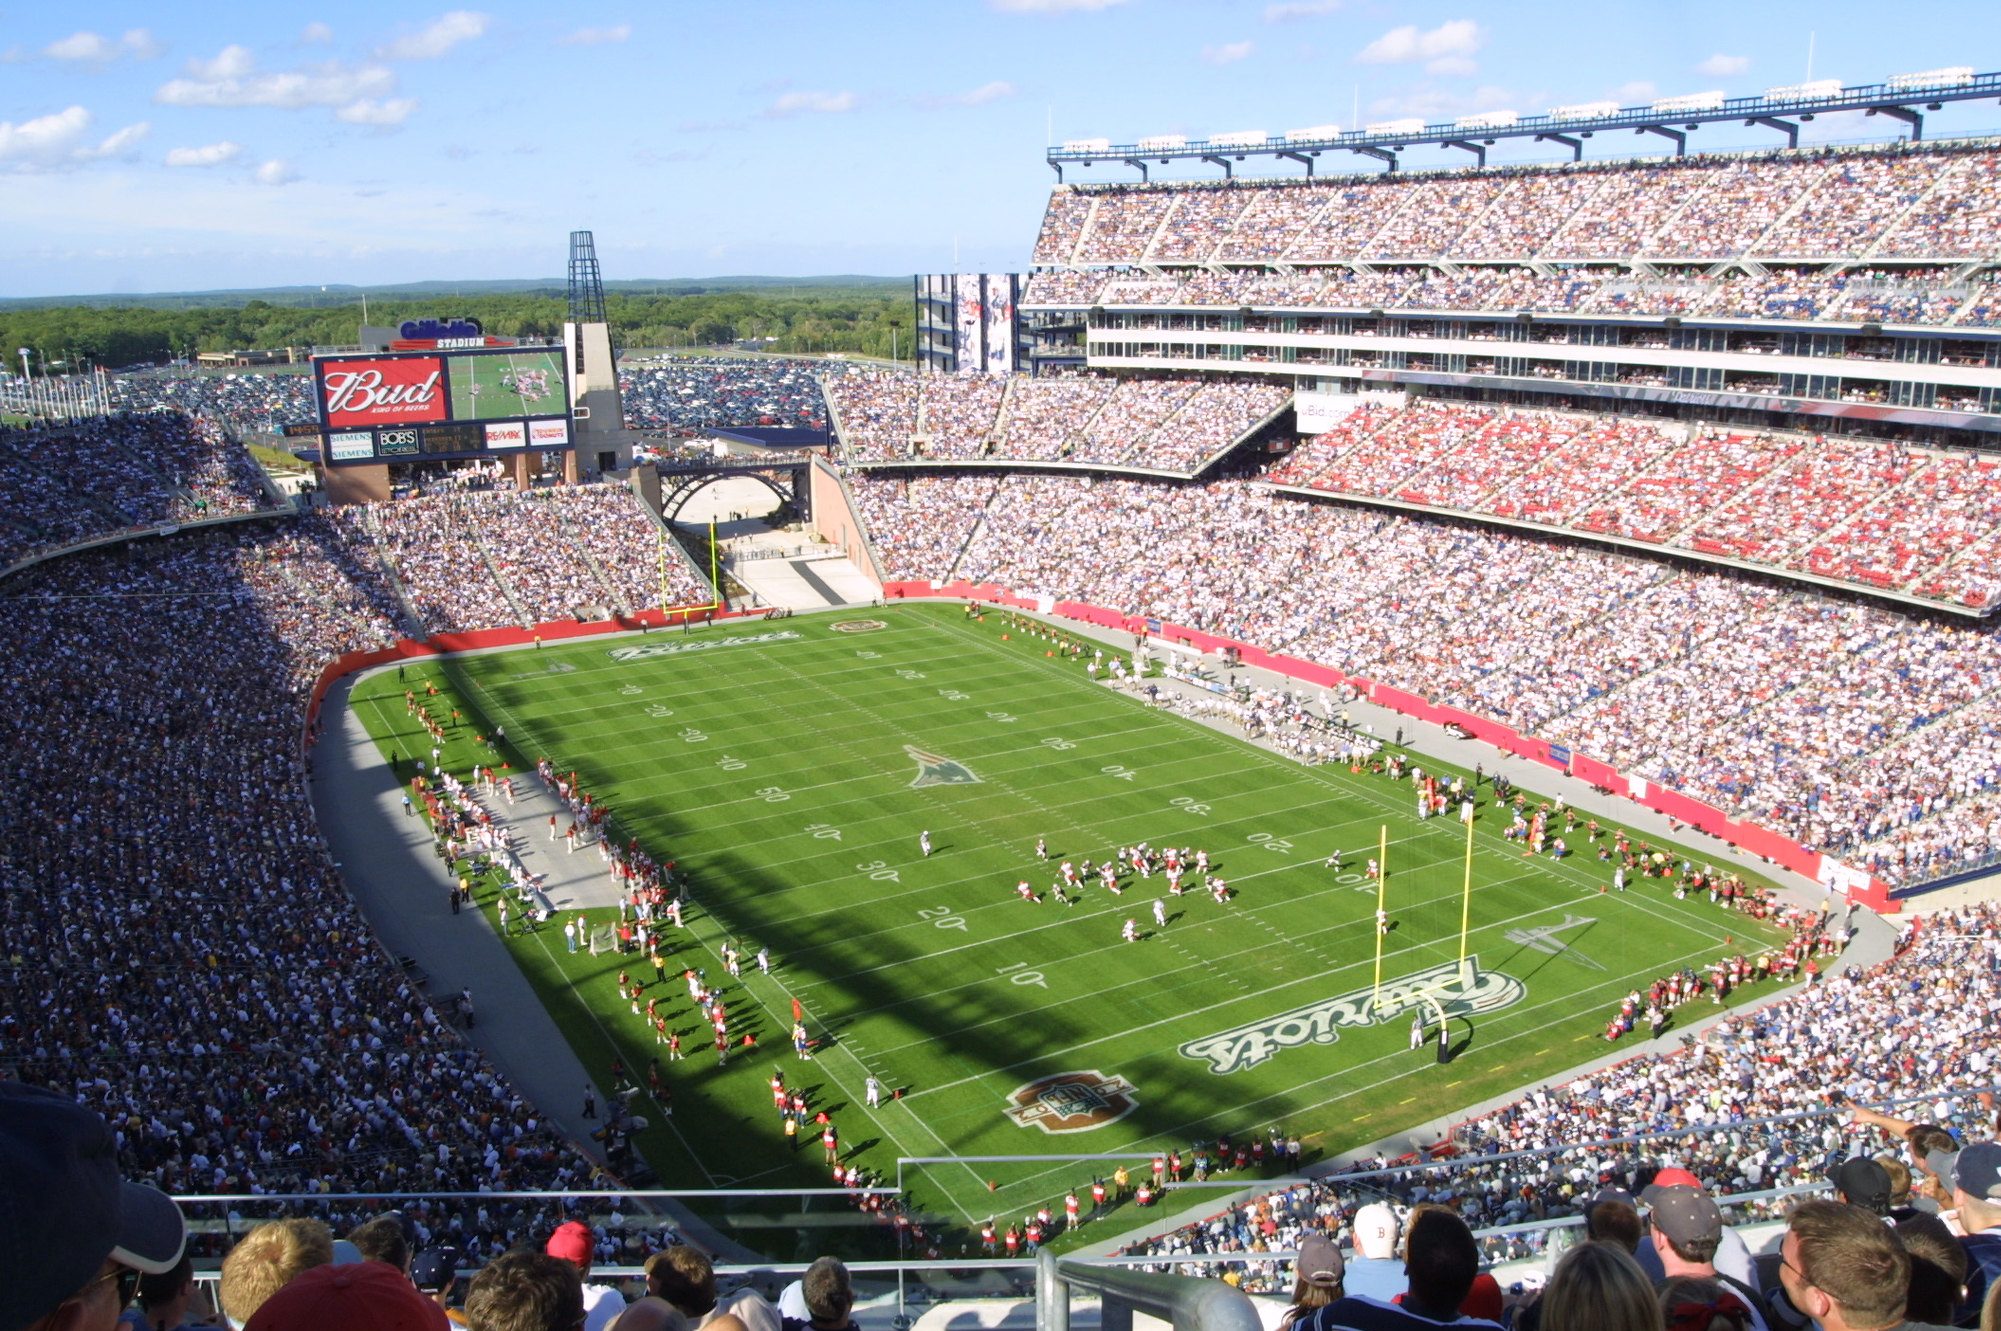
(941, 916)
(879, 871)
(1270, 842)
(823, 832)
(1022, 975)
(1190, 805)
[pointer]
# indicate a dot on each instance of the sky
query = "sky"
(150, 147)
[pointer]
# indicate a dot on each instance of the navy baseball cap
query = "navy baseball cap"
(64, 1208)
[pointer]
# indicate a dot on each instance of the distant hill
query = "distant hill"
(343, 294)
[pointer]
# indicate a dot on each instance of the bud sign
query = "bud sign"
(386, 390)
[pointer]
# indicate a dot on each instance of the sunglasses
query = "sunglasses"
(128, 1283)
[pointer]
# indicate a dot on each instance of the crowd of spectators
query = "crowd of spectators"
(115, 473)
(248, 403)
(1757, 1104)
(1905, 201)
(1167, 424)
(252, 1035)
(483, 558)
(1913, 294)
(709, 392)
(1845, 726)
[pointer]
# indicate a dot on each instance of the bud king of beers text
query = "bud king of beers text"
(383, 392)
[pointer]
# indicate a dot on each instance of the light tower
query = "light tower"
(586, 283)
(601, 442)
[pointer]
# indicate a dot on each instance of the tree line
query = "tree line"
(867, 320)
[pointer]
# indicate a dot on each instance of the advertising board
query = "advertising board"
(387, 406)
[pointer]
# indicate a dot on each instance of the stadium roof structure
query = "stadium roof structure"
(1904, 97)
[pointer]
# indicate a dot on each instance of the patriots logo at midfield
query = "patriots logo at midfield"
(933, 770)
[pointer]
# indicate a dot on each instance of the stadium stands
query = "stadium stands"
(1162, 424)
(700, 393)
(115, 474)
(1909, 201)
(1875, 515)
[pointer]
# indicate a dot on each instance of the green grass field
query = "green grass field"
(787, 778)
(484, 387)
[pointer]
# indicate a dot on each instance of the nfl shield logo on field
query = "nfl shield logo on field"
(1072, 1102)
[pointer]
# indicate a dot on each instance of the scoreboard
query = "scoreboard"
(436, 405)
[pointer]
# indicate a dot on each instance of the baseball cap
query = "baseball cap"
(1320, 1261)
(434, 1268)
(572, 1243)
(1376, 1229)
(1684, 1214)
(1977, 1171)
(1864, 1183)
(62, 1200)
(361, 1296)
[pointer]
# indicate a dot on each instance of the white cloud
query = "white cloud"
(277, 171)
(228, 80)
(316, 34)
(58, 139)
(997, 91)
(1637, 93)
(1455, 40)
(213, 154)
(121, 143)
(91, 48)
(1299, 9)
(1052, 6)
(599, 36)
(816, 103)
(368, 111)
(438, 37)
(1227, 54)
(231, 62)
(84, 47)
(1451, 66)
(1724, 66)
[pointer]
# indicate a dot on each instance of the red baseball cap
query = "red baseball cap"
(572, 1243)
(361, 1296)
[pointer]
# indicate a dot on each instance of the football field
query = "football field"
(528, 382)
(789, 769)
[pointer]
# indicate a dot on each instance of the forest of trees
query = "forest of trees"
(868, 319)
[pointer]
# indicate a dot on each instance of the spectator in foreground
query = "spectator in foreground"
(267, 1259)
(572, 1243)
(1376, 1273)
(77, 1236)
(355, 1296)
(829, 1297)
(1317, 1278)
(1938, 1269)
(1599, 1287)
(684, 1278)
(435, 1273)
(1843, 1267)
(384, 1239)
(1687, 1229)
(164, 1301)
(1690, 1303)
(1976, 1191)
(1440, 1261)
(526, 1291)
